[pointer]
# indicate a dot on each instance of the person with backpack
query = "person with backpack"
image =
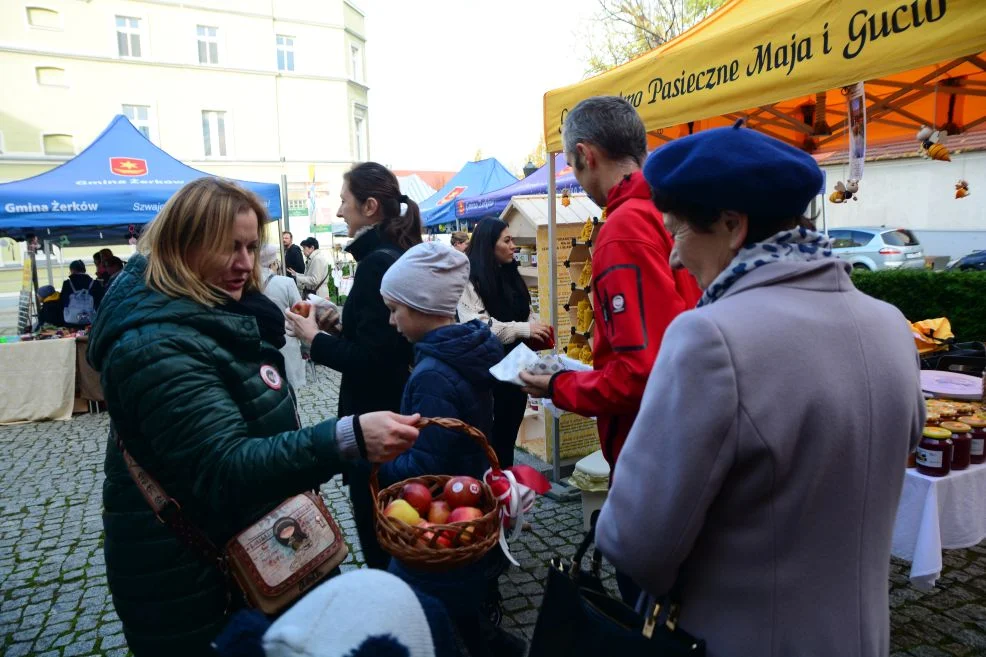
(81, 295)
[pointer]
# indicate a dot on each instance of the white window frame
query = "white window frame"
(356, 61)
(214, 137)
(27, 18)
(288, 50)
(140, 32)
(75, 149)
(361, 134)
(63, 85)
(208, 39)
(138, 123)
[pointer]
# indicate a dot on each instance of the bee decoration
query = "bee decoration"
(566, 198)
(845, 191)
(961, 189)
(931, 144)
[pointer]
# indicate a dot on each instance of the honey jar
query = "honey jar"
(977, 452)
(934, 452)
(961, 443)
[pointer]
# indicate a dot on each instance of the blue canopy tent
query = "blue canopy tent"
(105, 193)
(474, 179)
(494, 203)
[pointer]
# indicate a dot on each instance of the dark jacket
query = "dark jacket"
(451, 378)
(183, 387)
(374, 359)
(294, 259)
(81, 282)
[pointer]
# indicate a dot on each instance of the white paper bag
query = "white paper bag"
(508, 370)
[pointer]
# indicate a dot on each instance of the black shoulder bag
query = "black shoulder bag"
(578, 618)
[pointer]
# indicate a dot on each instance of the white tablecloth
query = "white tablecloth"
(37, 380)
(937, 513)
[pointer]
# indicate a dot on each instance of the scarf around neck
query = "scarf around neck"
(797, 245)
(270, 319)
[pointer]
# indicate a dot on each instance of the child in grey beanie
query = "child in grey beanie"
(430, 277)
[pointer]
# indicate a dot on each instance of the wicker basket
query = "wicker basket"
(470, 540)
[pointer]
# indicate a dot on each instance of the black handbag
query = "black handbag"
(578, 618)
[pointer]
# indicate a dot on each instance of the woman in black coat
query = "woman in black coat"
(497, 295)
(374, 359)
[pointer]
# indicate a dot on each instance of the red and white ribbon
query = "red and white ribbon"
(515, 488)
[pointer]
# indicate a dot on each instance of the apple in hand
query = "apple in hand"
(401, 510)
(438, 512)
(302, 308)
(418, 496)
(462, 491)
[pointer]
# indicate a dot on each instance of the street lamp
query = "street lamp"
(529, 168)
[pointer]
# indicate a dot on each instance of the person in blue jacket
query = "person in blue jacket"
(451, 378)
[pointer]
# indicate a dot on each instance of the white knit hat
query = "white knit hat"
(269, 255)
(429, 277)
(362, 613)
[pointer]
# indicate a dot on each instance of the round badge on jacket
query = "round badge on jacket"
(271, 376)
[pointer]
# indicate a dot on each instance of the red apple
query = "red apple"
(438, 512)
(418, 496)
(463, 491)
(302, 308)
(425, 540)
(465, 514)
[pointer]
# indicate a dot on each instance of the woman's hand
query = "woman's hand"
(540, 332)
(328, 319)
(387, 435)
(303, 328)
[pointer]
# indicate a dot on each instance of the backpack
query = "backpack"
(80, 307)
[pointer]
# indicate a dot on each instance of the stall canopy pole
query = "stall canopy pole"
(51, 276)
(281, 222)
(553, 287)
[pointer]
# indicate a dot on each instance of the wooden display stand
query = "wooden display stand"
(527, 217)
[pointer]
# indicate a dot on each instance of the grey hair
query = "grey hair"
(609, 122)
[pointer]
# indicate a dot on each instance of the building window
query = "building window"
(285, 53)
(208, 44)
(128, 36)
(214, 133)
(140, 116)
(359, 135)
(45, 18)
(50, 76)
(56, 144)
(356, 55)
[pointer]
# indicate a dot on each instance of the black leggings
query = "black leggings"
(509, 404)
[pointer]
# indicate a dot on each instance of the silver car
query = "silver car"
(874, 248)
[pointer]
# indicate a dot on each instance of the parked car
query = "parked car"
(873, 248)
(975, 261)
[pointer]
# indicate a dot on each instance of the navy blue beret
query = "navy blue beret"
(736, 169)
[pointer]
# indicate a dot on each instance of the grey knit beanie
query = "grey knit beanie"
(430, 277)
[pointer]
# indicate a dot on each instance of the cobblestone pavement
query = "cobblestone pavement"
(54, 600)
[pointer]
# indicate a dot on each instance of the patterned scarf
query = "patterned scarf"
(799, 244)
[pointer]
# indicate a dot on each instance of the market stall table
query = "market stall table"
(937, 513)
(38, 380)
(87, 386)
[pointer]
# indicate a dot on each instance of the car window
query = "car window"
(900, 237)
(861, 238)
(841, 239)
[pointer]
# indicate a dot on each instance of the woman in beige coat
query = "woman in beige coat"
(762, 475)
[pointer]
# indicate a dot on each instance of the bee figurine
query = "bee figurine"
(961, 189)
(845, 191)
(566, 198)
(931, 145)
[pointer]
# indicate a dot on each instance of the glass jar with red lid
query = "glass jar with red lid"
(977, 453)
(934, 452)
(961, 443)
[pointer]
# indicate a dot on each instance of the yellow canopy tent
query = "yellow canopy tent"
(781, 65)
(777, 64)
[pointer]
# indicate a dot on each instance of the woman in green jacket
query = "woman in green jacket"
(187, 347)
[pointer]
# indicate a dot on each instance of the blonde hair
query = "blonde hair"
(460, 237)
(197, 220)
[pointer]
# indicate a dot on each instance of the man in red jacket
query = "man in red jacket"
(635, 292)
